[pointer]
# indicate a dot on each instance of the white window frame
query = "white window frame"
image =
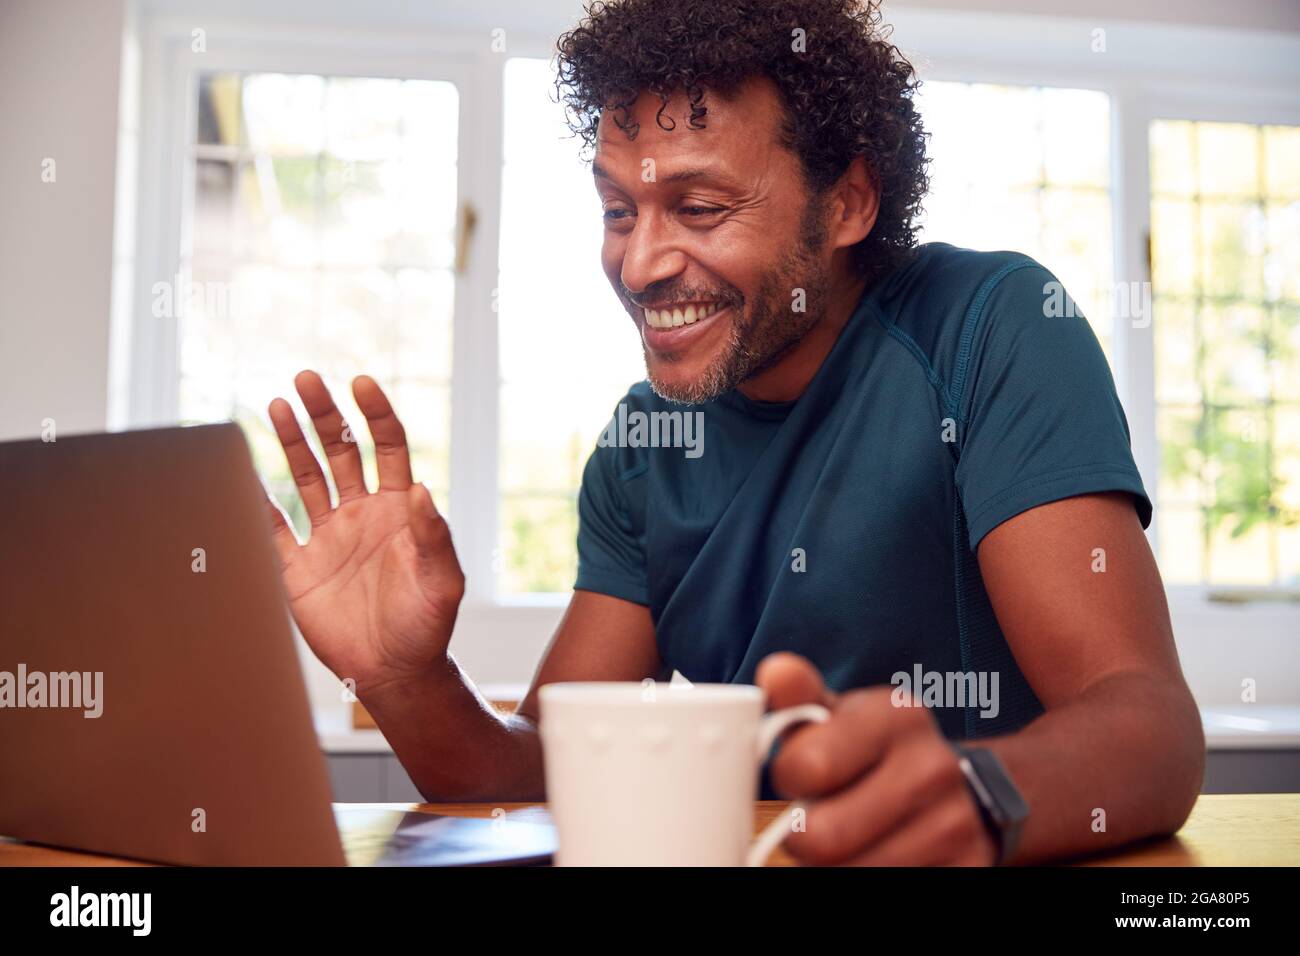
(1207, 105)
(1149, 72)
(170, 72)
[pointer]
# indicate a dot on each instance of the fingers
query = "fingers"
(340, 447)
(303, 465)
(950, 834)
(822, 758)
(391, 453)
(286, 542)
(790, 680)
(883, 802)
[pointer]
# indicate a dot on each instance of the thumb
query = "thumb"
(423, 518)
(789, 680)
(434, 549)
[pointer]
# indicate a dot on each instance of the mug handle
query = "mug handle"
(769, 728)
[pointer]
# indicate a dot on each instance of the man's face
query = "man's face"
(708, 233)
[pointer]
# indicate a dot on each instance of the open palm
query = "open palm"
(376, 587)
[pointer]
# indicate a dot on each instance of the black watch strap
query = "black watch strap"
(1000, 804)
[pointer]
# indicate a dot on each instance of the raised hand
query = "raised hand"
(376, 587)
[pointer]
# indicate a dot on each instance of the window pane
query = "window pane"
(1173, 172)
(1173, 245)
(1072, 118)
(1284, 353)
(220, 115)
(1225, 235)
(1282, 161)
(284, 113)
(1182, 533)
(1234, 368)
(321, 238)
(1231, 249)
(363, 119)
(1227, 162)
(1177, 379)
(537, 525)
(1182, 455)
(551, 285)
(1282, 259)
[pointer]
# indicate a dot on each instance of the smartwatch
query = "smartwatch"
(1000, 804)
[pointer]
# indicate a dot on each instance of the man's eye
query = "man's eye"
(613, 215)
(700, 210)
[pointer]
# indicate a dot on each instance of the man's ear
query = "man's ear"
(857, 203)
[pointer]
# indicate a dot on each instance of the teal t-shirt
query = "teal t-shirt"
(842, 526)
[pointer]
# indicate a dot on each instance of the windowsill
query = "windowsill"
(1245, 727)
(336, 734)
(1252, 727)
(1239, 596)
(1192, 597)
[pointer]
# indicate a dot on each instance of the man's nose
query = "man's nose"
(650, 255)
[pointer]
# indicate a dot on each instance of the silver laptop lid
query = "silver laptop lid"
(151, 697)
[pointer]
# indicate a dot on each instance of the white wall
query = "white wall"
(59, 86)
(549, 16)
(1239, 15)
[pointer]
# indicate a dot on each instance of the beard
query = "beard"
(762, 330)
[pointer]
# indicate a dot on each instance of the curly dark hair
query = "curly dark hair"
(847, 92)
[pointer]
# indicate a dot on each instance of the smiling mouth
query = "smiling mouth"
(671, 317)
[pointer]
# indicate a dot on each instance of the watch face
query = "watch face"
(1007, 803)
(1001, 805)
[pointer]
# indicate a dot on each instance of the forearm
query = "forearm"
(1131, 747)
(453, 743)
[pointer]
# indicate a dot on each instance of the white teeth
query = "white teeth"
(674, 318)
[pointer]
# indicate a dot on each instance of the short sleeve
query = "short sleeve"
(611, 551)
(1041, 418)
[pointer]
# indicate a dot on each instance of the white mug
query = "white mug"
(655, 774)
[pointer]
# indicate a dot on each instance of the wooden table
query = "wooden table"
(1247, 829)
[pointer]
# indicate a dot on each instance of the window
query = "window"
(1026, 169)
(322, 237)
(568, 349)
(1225, 254)
(320, 232)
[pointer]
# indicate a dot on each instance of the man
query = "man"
(916, 487)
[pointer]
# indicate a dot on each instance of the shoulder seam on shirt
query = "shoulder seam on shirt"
(919, 354)
(971, 323)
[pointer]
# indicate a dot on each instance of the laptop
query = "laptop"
(152, 702)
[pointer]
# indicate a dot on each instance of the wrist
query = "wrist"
(1001, 807)
(383, 689)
